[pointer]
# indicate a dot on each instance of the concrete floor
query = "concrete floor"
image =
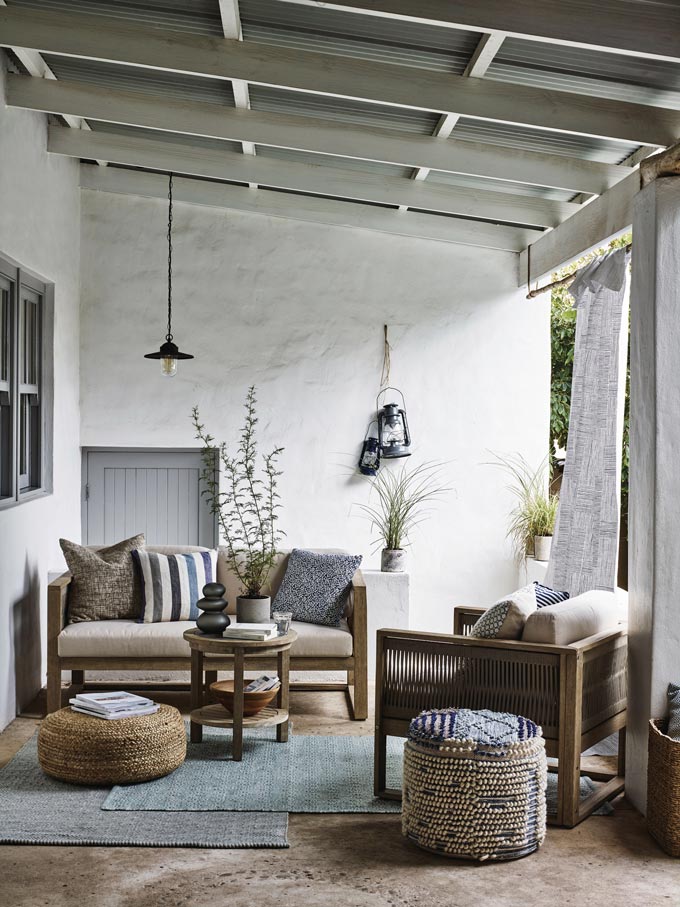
(341, 860)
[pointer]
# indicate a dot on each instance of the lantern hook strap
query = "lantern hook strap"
(387, 350)
(384, 391)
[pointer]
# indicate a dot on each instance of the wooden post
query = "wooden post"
(196, 730)
(283, 696)
(237, 745)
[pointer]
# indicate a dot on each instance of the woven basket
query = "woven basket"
(663, 788)
(471, 802)
(82, 750)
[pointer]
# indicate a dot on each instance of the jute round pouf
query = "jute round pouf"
(474, 784)
(82, 750)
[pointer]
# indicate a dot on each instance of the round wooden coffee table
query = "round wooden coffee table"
(231, 653)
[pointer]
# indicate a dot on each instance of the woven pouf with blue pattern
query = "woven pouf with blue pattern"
(474, 784)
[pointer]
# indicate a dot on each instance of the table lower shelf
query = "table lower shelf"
(217, 716)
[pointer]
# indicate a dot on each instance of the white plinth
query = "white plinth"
(388, 596)
(531, 571)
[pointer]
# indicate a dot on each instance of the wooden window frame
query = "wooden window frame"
(26, 392)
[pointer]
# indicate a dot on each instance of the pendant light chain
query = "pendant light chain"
(169, 334)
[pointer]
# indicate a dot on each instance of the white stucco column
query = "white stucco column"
(654, 650)
(388, 596)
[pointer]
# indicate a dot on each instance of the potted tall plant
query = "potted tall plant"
(246, 508)
(401, 498)
(532, 520)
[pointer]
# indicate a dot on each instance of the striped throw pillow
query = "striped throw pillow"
(546, 596)
(173, 583)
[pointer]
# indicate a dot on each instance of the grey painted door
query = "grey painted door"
(156, 492)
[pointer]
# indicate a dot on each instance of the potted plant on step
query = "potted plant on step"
(532, 520)
(246, 505)
(401, 498)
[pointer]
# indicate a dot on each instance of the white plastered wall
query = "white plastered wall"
(39, 228)
(298, 310)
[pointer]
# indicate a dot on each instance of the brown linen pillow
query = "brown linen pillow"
(105, 585)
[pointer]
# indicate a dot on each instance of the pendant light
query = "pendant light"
(169, 353)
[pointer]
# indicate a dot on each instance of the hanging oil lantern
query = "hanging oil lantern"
(393, 432)
(369, 461)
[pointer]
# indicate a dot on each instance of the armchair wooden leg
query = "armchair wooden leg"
(210, 677)
(77, 678)
(53, 685)
(621, 760)
(380, 763)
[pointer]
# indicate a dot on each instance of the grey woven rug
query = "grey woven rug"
(35, 809)
(312, 774)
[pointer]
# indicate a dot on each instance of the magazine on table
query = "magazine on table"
(111, 702)
(263, 683)
(255, 632)
(114, 716)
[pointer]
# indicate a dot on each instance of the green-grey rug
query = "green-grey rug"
(35, 809)
(313, 774)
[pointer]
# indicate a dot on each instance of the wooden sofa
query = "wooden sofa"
(116, 645)
(577, 693)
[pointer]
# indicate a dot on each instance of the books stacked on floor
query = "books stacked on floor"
(254, 632)
(113, 705)
(262, 684)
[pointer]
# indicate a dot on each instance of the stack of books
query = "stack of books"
(263, 683)
(254, 632)
(113, 705)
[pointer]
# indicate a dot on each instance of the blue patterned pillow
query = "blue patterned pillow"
(546, 596)
(506, 619)
(316, 586)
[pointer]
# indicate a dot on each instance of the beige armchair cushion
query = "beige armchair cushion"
(574, 619)
(128, 639)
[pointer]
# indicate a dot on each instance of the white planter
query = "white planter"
(253, 609)
(542, 545)
(393, 560)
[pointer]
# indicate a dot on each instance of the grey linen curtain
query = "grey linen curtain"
(585, 544)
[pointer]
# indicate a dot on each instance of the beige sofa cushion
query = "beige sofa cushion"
(128, 639)
(574, 619)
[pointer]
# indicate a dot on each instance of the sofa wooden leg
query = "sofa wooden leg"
(621, 759)
(53, 686)
(77, 678)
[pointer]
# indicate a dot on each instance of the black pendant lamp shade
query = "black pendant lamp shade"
(169, 353)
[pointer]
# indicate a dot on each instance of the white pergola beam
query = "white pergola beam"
(635, 29)
(311, 134)
(231, 26)
(97, 38)
(307, 208)
(320, 180)
(605, 217)
(487, 48)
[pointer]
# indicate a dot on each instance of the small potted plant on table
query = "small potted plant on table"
(532, 520)
(246, 508)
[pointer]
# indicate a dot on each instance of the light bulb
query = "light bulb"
(168, 366)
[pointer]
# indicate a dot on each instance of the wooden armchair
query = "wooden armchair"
(577, 693)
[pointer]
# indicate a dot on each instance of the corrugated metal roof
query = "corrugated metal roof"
(589, 72)
(177, 138)
(364, 37)
(195, 17)
(329, 160)
(171, 85)
(339, 110)
(479, 182)
(526, 138)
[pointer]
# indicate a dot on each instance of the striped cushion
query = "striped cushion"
(173, 583)
(546, 596)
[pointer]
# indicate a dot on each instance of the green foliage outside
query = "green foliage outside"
(563, 334)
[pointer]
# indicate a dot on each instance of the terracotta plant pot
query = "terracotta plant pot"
(393, 560)
(223, 691)
(253, 609)
(542, 546)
